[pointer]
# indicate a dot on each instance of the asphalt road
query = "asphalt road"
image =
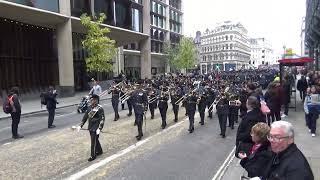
(61, 153)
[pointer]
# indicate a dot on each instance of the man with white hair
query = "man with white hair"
(289, 162)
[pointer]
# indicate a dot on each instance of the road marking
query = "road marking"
(66, 114)
(224, 166)
(7, 143)
(103, 162)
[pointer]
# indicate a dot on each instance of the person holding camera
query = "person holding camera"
(51, 105)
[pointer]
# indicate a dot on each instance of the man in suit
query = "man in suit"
(95, 117)
(51, 105)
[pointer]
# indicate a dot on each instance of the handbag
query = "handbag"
(264, 108)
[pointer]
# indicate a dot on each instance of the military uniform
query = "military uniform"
(191, 105)
(202, 107)
(163, 107)
(140, 100)
(153, 105)
(175, 96)
(209, 100)
(95, 117)
(115, 102)
(223, 111)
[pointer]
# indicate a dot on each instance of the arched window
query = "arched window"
(231, 37)
(231, 46)
(226, 38)
(227, 56)
(227, 47)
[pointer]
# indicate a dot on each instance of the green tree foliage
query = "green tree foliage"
(186, 54)
(101, 49)
(171, 53)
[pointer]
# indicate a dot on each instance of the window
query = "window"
(226, 38)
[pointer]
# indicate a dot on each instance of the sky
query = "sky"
(279, 21)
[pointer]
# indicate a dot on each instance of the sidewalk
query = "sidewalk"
(34, 106)
(308, 145)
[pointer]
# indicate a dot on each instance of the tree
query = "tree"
(186, 54)
(101, 49)
(171, 53)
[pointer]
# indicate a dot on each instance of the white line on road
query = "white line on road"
(7, 143)
(224, 166)
(91, 168)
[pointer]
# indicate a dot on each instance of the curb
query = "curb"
(223, 168)
(44, 110)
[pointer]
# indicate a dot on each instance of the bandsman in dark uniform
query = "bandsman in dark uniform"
(140, 100)
(222, 111)
(95, 117)
(163, 105)
(175, 95)
(153, 100)
(191, 106)
(234, 105)
(115, 101)
(202, 104)
(210, 99)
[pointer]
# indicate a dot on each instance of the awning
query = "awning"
(295, 61)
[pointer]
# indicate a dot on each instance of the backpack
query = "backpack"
(7, 107)
(43, 98)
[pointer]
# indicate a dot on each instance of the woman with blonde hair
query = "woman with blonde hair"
(260, 155)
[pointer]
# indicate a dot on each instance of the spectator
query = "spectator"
(254, 163)
(96, 89)
(273, 100)
(302, 86)
(286, 97)
(253, 116)
(51, 105)
(313, 105)
(16, 112)
(288, 161)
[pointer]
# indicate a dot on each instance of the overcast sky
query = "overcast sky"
(277, 20)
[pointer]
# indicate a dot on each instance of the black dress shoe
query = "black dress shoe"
(152, 117)
(129, 114)
(223, 136)
(99, 153)
(52, 126)
(138, 138)
(175, 120)
(91, 158)
(17, 137)
(191, 131)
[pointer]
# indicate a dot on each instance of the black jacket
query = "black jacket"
(51, 101)
(249, 120)
(289, 165)
(16, 103)
(95, 117)
(255, 163)
(302, 85)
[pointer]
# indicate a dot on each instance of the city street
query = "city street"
(61, 153)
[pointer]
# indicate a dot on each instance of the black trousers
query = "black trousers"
(223, 123)
(129, 103)
(175, 111)
(139, 121)
(209, 109)
(95, 144)
(232, 118)
(313, 117)
(15, 122)
(115, 107)
(191, 119)
(51, 116)
(201, 113)
(273, 116)
(163, 113)
(286, 108)
(302, 94)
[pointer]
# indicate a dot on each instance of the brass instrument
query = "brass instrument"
(222, 95)
(185, 96)
(127, 94)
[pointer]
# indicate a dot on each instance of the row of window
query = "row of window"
(226, 56)
(218, 48)
(51, 5)
(175, 16)
(158, 8)
(175, 3)
(158, 21)
(157, 34)
(217, 39)
(175, 27)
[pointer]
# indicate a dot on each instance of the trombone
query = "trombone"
(184, 96)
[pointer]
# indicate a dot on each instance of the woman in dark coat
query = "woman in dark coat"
(274, 100)
(260, 154)
(253, 116)
(286, 98)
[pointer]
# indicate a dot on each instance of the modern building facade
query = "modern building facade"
(197, 43)
(261, 52)
(312, 33)
(304, 50)
(226, 48)
(40, 41)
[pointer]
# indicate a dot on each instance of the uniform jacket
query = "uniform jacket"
(289, 165)
(16, 103)
(95, 117)
(191, 103)
(140, 100)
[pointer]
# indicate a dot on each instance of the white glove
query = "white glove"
(98, 131)
(255, 178)
(78, 128)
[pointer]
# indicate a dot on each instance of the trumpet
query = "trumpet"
(151, 100)
(115, 86)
